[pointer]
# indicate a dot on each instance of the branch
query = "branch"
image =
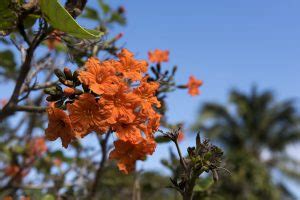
(103, 145)
(25, 68)
(180, 155)
(33, 109)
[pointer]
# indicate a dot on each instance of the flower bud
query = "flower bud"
(68, 73)
(75, 78)
(121, 10)
(69, 91)
(119, 36)
(52, 98)
(69, 83)
(182, 86)
(59, 74)
(50, 91)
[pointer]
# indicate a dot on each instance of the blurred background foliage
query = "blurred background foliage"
(254, 130)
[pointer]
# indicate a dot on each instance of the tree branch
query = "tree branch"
(103, 145)
(25, 68)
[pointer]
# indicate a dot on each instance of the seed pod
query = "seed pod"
(59, 73)
(68, 73)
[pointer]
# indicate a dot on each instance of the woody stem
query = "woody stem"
(182, 162)
(104, 149)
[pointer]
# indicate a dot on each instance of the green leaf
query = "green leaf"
(8, 18)
(203, 184)
(116, 17)
(105, 7)
(60, 19)
(30, 20)
(90, 13)
(161, 139)
(7, 60)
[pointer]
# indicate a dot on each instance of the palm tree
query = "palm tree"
(253, 124)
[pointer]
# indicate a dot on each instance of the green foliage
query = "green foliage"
(254, 123)
(60, 19)
(203, 184)
(91, 13)
(8, 16)
(7, 60)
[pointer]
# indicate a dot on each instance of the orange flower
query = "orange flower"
(15, 171)
(193, 86)
(100, 76)
(12, 170)
(180, 136)
(3, 102)
(57, 162)
(158, 56)
(152, 125)
(127, 132)
(37, 146)
(86, 115)
(129, 67)
(121, 105)
(59, 126)
(146, 91)
(8, 198)
(127, 153)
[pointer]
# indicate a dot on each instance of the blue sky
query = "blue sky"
(226, 43)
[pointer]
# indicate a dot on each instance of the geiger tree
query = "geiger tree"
(118, 98)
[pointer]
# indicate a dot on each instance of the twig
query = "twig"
(103, 145)
(25, 68)
(180, 155)
(34, 109)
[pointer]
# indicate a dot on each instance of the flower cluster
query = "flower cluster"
(158, 56)
(118, 97)
(193, 86)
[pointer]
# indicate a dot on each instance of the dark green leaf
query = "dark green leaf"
(161, 139)
(90, 13)
(7, 60)
(8, 18)
(60, 19)
(105, 7)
